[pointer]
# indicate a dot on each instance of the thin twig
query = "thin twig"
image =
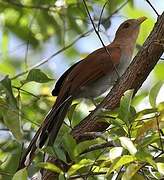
(117, 178)
(152, 7)
(100, 19)
(90, 170)
(155, 147)
(161, 153)
(94, 27)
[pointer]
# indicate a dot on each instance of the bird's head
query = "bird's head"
(129, 30)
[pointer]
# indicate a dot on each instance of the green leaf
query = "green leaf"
(83, 163)
(124, 110)
(21, 174)
(160, 167)
(148, 140)
(138, 177)
(154, 92)
(115, 152)
(144, 112)
(11, 120)
(158, 71)
(61, 177)
(49, 150)
(6, 84)
(6, 67)
(138, 98)
(71, 111)
(128, 144)
(70, 1)
(13, 151)
(59, 152)
(38, 76)
(50, 166)
(130, 171)
(145, 156)
(69, 145)
(5, 41)
(9, 110)
(120, 162)
(82, 146)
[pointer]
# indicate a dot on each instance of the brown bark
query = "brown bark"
(133, 78)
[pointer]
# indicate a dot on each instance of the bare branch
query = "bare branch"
(100, 19)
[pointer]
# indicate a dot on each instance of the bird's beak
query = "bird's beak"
(141, 19)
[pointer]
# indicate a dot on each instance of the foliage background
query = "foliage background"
(39, 40)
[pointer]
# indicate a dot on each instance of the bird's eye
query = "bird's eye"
(126, 25)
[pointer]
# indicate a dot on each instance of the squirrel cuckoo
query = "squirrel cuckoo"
(88, 78)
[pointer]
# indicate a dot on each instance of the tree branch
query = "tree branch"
(133, 78)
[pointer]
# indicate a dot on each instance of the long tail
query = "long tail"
(48, 131)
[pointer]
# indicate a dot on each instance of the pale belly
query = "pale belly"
(103, 84)
(97, 88)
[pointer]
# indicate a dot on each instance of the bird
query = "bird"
(88, 78)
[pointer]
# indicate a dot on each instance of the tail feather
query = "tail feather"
(48, 131)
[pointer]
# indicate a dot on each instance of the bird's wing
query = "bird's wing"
(93, 67)
(60, 81)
